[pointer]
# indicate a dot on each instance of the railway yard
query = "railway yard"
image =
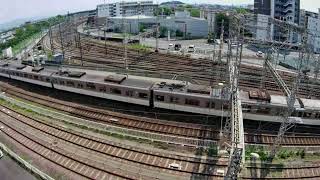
(154, 115)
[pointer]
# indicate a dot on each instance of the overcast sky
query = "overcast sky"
(17, 9)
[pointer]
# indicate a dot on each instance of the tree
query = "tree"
(241, 10)
(194, 12)
(163, 31)
(179, 33)
(163, 10)
(142, 27)
(219, 18)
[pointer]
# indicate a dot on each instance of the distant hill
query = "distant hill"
(172, 3)
(17, 23)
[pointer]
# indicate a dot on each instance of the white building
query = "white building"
(313, 26)
(263, 31)
(285, 10)
(7, 53)
(126, 9)
(181, 21)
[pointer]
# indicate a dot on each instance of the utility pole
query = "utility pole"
(105, 39)
(125, 41)
(233, 135)
(50, 38)
(80, 48)
(61, 41)
(221, 41)
(157, 34)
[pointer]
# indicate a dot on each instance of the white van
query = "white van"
(191, 48)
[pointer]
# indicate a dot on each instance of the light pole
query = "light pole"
(221, 119)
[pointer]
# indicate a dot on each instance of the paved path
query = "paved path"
(10, 170)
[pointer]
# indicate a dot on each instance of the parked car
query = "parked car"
(191, 48)
(259, 54)
(177, 47)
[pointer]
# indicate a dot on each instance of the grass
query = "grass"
(283, 155)
(139, 47)
(38, 116)
(19, 47)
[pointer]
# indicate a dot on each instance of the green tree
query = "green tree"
(163, 31)
(142, 28)
(220, 17)
(241, 10)
(194, 12)
(29, 30)
(179, 33)
(163, 11)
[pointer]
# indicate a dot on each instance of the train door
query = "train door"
(151, 98)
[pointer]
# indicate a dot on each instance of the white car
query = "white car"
(191, 48)
(259, 54)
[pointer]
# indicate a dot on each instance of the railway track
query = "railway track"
(197, 132)
(200, 71)
(78, 165)
(109, 149)
(93, 170)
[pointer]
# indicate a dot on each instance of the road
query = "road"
(10, 170)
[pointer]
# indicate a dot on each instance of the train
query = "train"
(169, 94)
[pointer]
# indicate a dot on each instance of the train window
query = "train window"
(103, 89)
(192, 102)
(48, 79)
(129, 93)
(70, 83)
(208, 104)
(263, 110)
(174, 99)
(55, 81)
(115, 91)
(90, 85)
(36, 77)
(159, 98)
(79, 85)
(307, 114)
(143, 95)
(61, 82)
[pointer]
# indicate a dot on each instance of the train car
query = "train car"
(165, 94)
(189, 98)
(257, 105)
(4, 70)
(104, 85)
(29, 74)
(310, 112)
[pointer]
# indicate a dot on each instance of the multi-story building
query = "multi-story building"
(311, 21)
(304, 15)
(285, 10)
(126, 9)
(189, 27)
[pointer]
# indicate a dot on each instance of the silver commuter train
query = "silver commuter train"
(162, 93)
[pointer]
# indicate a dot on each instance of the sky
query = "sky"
(18, 9)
